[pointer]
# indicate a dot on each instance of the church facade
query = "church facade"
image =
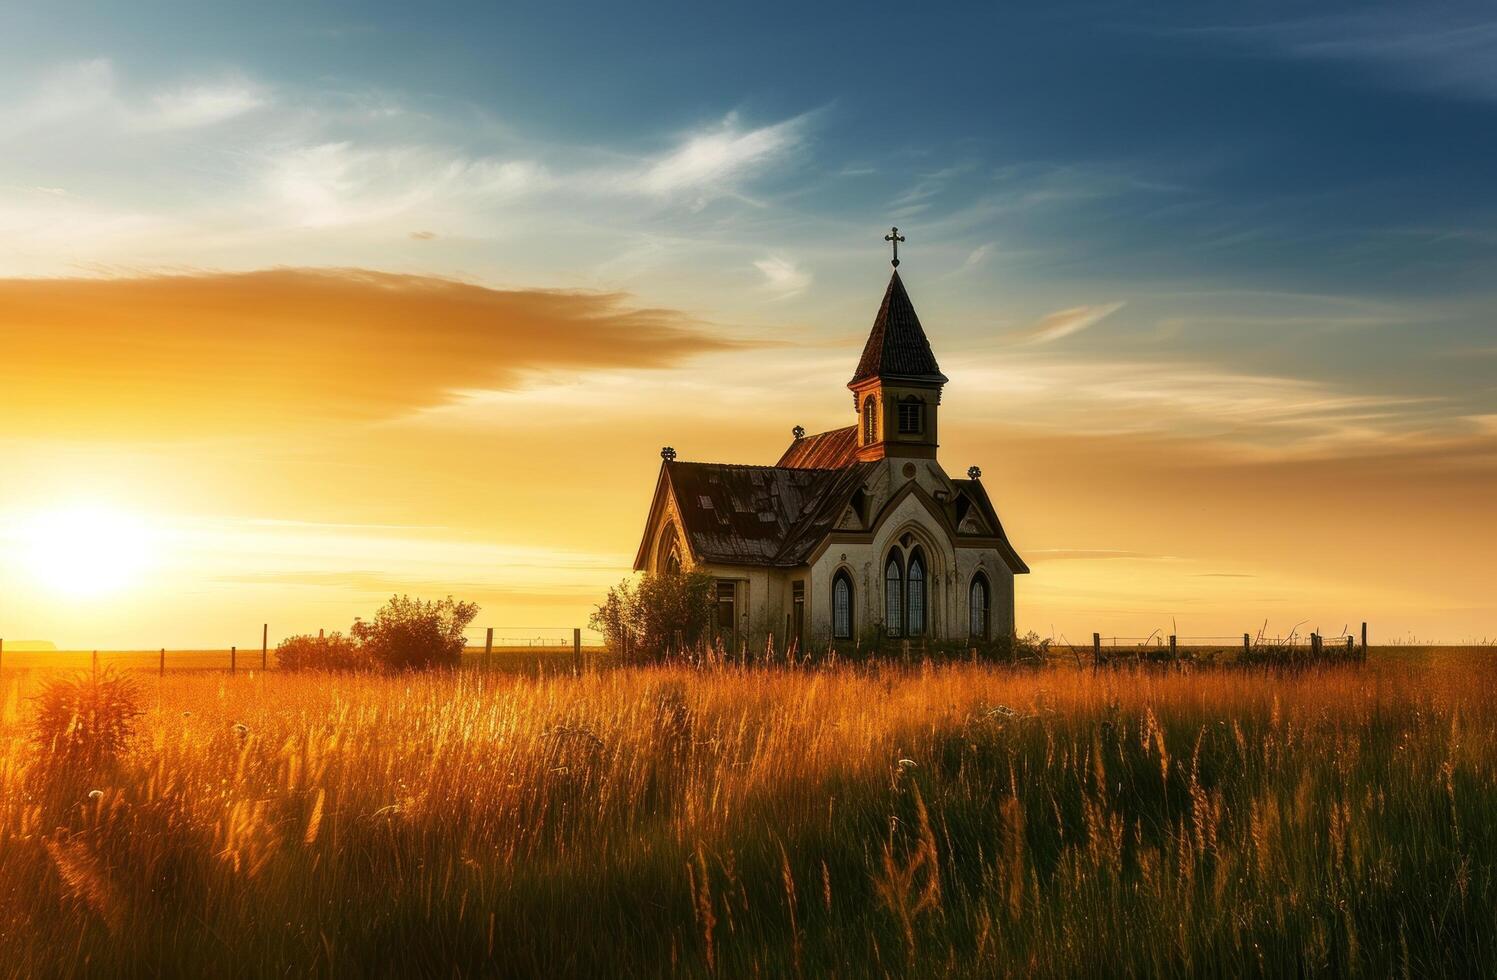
(857, 534)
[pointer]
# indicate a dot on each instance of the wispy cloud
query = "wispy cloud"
(331, 184)
(90, 92)
(1064, 323)
(202, 104)
(1451, 49)
(1272, 416)
(713, 162)
(1089, 554)
(783, 277)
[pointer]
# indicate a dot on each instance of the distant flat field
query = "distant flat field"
(508, 659)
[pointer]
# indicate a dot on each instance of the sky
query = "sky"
(305, 304)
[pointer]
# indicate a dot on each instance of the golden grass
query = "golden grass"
(944, 821)
(513, 659)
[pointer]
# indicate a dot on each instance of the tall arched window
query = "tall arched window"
(841, 606)
(914, 596)
(870, 421)
(893, 594)
(977, 607)
(670, 549)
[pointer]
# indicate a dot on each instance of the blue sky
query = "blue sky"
(1267, 229)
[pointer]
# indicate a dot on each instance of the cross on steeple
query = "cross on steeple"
(894, 238)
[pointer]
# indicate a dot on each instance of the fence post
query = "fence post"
(233, 659)
(1247, 644)
(1364, 641)
(576, 648)
(488, 647)
(161, 670)
(1096, 649)
(96, 666)
(1172, 646)
(265, 646)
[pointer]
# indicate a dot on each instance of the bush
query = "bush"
(86, 719)
(332, 652)
(415, 634)
(647, 616)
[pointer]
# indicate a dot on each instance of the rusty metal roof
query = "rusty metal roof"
(897, 346)
(829, 450)
(759, 515)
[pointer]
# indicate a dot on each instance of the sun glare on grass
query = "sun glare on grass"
(86, 550)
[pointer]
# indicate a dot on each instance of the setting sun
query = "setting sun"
(86, 549)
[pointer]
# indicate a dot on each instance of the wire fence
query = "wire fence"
(494, 646)
(259, 651)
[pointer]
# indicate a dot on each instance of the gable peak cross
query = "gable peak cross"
(894, 238)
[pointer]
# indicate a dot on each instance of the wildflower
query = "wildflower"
(96, 794)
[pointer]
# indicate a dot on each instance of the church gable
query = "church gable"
(973, 524)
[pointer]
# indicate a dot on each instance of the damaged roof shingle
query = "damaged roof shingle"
(760, 515)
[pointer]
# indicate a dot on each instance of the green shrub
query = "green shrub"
(332, 652)
(415, 634)
(648, 616)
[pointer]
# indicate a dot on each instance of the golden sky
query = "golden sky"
(303, 306)
(188, 456)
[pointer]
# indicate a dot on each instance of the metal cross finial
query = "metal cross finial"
(894, 237)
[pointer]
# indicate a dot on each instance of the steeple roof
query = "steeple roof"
(897, 347)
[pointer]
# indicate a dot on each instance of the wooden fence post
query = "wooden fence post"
(1364, 641)
(488, 647)
(233, 659)
(1247, 644)
(265, 646)
(1096, 649)
(576, 648)
(161, 669)
(1172, 647)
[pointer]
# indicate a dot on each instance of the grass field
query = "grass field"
(939, 821)
(511, 659)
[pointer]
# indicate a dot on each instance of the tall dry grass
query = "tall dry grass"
(939, 821)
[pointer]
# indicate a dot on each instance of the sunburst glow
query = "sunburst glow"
(86, 549)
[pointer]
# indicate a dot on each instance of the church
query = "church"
(856, 534)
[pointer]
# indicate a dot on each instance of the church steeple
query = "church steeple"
(897, 385)
(897, 346)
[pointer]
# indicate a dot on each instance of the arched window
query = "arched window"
(870, 421)
(977, 607)
(841, 606)
(914, 596)
(893, 594)
(670, 550)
